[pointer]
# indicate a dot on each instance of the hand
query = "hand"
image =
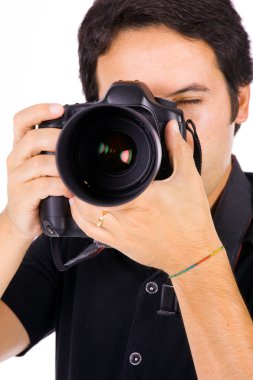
(169, 226)
(32, 176)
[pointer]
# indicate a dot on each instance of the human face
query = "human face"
(186, 72)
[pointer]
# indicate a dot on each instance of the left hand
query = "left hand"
(169, 226)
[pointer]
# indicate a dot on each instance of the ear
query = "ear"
(243, 101)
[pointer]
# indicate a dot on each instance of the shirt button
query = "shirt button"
(151, 287)
(135, 358)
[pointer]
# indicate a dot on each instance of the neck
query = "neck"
(214, 195)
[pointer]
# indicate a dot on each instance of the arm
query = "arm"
(217, 322)
(31, 178)
(12, 247)
(13, 336)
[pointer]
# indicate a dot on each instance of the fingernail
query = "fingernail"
(71, 201)
(175, 126)
(55, 109)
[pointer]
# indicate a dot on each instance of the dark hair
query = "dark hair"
(214, 21)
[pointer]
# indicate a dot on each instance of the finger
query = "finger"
(33, 143)
(36, 167)
(102, 234)
(26, 119)
(43, 187)
(180, 152)
(93, 213)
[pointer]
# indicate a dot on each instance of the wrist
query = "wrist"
(189, 258)
(10, 229)
(211, 275)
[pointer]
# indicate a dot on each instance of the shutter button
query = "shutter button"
(135, 358)
(151, 287)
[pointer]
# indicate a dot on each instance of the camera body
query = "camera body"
(109, 151)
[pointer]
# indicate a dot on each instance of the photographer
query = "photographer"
(112, 314)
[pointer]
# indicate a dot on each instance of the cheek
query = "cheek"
(212, 121)
(216, 137)
(215, 130)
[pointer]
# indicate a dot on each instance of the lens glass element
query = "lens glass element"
(116, 152)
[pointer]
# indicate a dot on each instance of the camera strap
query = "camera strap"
(92, 250)
(197, 154)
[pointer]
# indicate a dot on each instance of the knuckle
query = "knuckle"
(28, 117)
(90, 230)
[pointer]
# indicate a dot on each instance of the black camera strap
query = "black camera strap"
(92, 250)
(197, 153)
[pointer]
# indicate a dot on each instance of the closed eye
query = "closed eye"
(190, 101)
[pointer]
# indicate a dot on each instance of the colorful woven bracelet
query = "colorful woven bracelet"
(196, 264)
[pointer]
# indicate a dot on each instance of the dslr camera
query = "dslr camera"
(109, 151)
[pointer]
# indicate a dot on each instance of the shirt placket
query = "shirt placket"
(155, 297)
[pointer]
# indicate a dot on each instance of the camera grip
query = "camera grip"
(55, 215)
(56, 219)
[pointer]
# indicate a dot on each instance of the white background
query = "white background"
(38, 47)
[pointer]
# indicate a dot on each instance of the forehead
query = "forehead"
(157, 56)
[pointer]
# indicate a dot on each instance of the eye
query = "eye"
(190, 101)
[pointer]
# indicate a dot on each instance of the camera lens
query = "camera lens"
(116, 152)
(108, 154)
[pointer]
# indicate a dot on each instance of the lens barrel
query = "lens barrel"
(108, 154)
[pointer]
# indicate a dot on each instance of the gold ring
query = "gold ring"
(102, 219)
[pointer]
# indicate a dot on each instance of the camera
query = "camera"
(109, 151)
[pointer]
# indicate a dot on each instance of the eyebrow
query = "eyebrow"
(192, 87)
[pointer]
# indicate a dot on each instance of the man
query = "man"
(111, 314)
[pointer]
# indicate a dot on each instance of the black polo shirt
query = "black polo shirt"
(111, 315)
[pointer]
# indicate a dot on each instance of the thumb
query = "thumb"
(180, 152)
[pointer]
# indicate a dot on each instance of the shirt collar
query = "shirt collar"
(233, 213)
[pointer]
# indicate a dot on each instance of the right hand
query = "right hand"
(32, 176)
